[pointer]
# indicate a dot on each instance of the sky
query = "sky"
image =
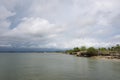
(59, 24)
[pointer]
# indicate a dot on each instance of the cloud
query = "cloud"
(4, 22)
(59, 23)
(5, 13)
(36, 27)
(33, 31)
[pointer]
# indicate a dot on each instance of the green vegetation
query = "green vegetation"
(76, 49)
(83, 48)
(91, 51)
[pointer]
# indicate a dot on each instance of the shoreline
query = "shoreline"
(105, 58)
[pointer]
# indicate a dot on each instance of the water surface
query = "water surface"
(56, 66)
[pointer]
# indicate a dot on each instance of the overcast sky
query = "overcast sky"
(59, 23)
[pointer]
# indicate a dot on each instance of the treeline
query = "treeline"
(92, 51)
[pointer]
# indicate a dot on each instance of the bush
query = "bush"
(91, 52)
(76, 49)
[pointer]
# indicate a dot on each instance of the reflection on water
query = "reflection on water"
(55, 66)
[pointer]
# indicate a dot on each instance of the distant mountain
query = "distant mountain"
(7, 49)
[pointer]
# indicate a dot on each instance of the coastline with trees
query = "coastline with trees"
(107, 53)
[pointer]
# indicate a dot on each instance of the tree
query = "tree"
(117, 48)
(112, 48)
(109, 49)
(91, 52)
(69, 51)
(76, 49)
(83, 48)
(102, 49)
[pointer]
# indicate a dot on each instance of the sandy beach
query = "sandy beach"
(106, 58)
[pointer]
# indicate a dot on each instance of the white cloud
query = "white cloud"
(4, 26)
(7, 45)
(34, 32)
(116, 39)
(59, 23)
(78, 42)
(36, 27)
(4, 22)
(5, 13)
